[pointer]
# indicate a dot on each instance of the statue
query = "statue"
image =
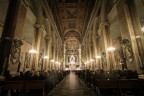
(16, 51)
(104, 61)
(127, 49)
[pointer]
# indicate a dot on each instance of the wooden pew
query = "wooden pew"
(129, 84)
(11, 85)
(25, 85)
(34, 85)
(106, 84)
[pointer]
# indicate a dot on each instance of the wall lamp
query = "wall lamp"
(32, 51)
(91, 60)
(98, 57)
(142, 28)
(52, 60)
(45, 57)
(111, 49)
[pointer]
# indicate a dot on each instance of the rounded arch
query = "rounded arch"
(72, 38)
(72, 32)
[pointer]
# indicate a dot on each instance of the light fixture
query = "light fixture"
(137, 37)
(91, 60)
(111, 49)
(98, 57)
(45, 57)
(142, 28)
(52, 60)
(56, 62)
(32, 51)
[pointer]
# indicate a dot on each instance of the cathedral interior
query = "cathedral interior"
(71, 47)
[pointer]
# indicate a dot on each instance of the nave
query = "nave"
(72, 86)
(104, 39)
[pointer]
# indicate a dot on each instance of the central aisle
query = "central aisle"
(71, 86)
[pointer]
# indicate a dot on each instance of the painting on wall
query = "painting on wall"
(27, 59)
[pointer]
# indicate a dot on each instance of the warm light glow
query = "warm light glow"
(88, 62)
(56, 62)
(78, 69)
(91, 60)
(52, 60)
(111, 49)
(32, 51)
(45, 57)
(142, 28)
(98, 57)
(138, 37)
(66, 68)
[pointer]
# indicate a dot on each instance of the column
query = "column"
(38, 32)
(137, 30)
(95, 50)
(104, 26)
(48, 40)
(64, 56)
(37, 42)
(129, 41)
(79, 55)
(16, 12)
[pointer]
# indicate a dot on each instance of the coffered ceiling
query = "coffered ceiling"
(71, 15)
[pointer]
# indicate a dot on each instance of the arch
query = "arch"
(72, 31)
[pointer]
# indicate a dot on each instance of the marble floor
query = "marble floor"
(71, 86)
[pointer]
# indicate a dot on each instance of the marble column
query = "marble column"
(16, 12)
(48, 40)
(64, 56)
(38, 33)
(79, 55)
(137, 30)
(104, 27)
(95, 50)
(37, 42)
(128, 36)
(86, 50)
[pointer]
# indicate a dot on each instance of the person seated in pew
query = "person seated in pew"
(102, 75)
(27, 75)
(113, 75)
(47, 83)
(36, 76)
(7, 75)
(36, 92)
(132, 74)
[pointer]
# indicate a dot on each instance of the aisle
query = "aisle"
(71, 86)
